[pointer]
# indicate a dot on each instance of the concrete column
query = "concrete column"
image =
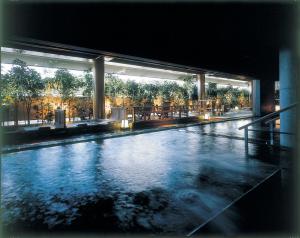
(201, 86)
(287, 95)
(99, 96)
(256, 98)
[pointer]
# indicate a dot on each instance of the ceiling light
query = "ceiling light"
(108, 58)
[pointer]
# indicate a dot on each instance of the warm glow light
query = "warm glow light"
(124, 124)
(108, 58)
(277, 107)
(206, 116)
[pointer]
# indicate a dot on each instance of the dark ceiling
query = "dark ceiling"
(234, 38)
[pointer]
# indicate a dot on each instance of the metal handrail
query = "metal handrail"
(272, 120)
(268, 116)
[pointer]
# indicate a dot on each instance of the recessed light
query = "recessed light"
(108, 58)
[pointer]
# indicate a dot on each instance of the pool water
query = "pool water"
(161, 182)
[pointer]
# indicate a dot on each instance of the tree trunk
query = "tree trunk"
(114, 101)
(2, 116)
(16, 106)
(69, 113)
(90, 103)
(28, 109)
(42, 112)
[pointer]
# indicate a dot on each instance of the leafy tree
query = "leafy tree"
(13, 89)
(4, 96)
(49, 112)
(228, 97)
(37, 112)
(221, 92)
(132, 90)
(168, 90)
(88, 84)
(150, 91)
(23, 85)
(194, 92)
(179, 94)
(88, 92)
(66, 85)
(184, 94)
(33, 86)
(4, 89)
(212, 90)
(241, 99)
(114, 87)
(188, 87)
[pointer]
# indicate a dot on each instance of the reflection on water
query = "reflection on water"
(168, 181)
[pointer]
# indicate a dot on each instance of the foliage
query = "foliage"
(4, 90)
(114, 86)
(133, 90)
(33, 86)
(169, 90)
(212, 90)
(228, 95)
(88, 84)
(194, 95)
(65, 84)
(22, 84)
(243, 98)
(84, 107)
(188, 89)
(150, 91)
(14, 79)
(49, 112)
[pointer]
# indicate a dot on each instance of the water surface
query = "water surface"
(161, 182)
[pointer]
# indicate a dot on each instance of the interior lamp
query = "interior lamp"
(124, 124)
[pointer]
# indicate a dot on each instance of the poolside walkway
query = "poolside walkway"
(104, 135)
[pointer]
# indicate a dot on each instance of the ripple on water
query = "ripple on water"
(166, 181)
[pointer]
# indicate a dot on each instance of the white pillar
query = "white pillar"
(256, 98)
(99, 96)
(287, 95)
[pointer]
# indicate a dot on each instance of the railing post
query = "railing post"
(187, 112)
(179, 111)
(271, 125)
(246, 137)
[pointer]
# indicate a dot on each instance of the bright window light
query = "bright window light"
(146, 68)
(41, 54)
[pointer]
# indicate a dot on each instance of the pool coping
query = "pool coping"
(102, 136)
